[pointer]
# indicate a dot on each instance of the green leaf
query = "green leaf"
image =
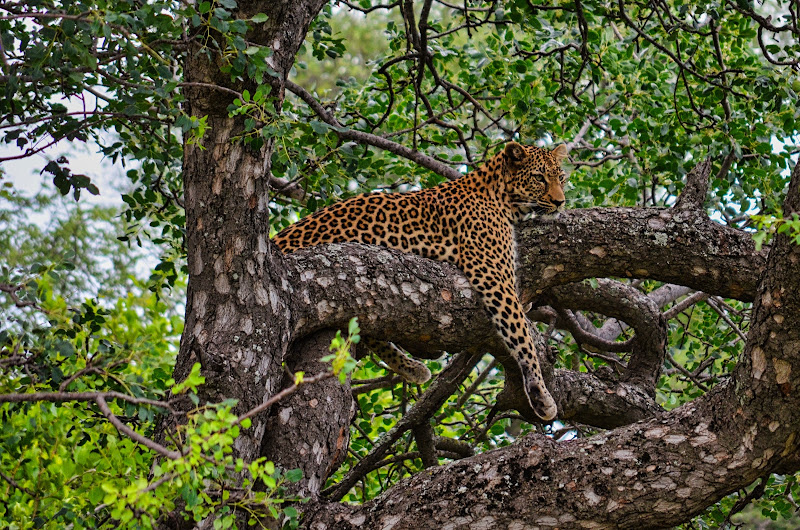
(294, 475)
(319, 127)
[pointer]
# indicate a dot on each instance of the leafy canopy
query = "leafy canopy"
(643, 91)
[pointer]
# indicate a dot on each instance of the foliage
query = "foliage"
(64, 464)
(770, 225)
(642, 91)
(706, 341)
(61, 456)
(77, 243)
(342, 362)
(776, 509)
(542, 80)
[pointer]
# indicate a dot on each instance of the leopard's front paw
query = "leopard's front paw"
(540, 399)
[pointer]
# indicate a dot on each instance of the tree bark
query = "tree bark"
(391, 287)
(318, 414)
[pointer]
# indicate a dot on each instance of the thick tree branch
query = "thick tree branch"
(590, 400)
(613, 298)
(388, 288)
(321, 412)
(423, 434)
(681, 247)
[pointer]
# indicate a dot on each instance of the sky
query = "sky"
(26, 177)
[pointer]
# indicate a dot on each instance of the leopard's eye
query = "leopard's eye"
(540, 177)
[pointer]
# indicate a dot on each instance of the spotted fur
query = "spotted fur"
(468, 222)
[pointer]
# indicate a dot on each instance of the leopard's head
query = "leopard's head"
(534, 176)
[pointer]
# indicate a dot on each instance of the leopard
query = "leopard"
(470, 222)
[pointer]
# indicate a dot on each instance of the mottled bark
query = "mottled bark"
(321, 412)
(238, 323)
(345, 280)
(428, 307)
(695, 189)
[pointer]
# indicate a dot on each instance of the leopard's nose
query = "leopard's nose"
(558, 203)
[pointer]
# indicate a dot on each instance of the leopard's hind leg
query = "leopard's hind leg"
(412, 370)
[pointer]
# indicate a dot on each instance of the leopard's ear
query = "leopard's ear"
(515, 152)
(560, 152)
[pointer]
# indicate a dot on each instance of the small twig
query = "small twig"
(11, 290)
(472, 388)
(282, 394)
(61, 397)
(380, 382)
(368, 138)
(692, 377)
(740, 504)
(88, 370)
(684, 304)
(14, 484)
(621, 366)
(712, 303)
(363, 433)
(133, 435)
(684, 67)
(212, 87)
(787, 493)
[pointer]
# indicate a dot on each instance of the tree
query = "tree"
(671, 111)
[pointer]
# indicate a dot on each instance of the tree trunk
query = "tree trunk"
(238, 312)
